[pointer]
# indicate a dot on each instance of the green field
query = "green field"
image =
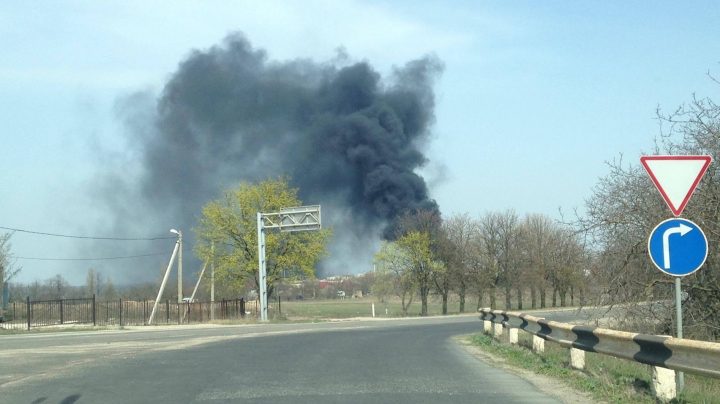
(361, 307)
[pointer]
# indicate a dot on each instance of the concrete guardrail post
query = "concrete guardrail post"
(513, 336)
(538, 344)
(663, 385)
(498, 331)
(487, 324)
(577, 359)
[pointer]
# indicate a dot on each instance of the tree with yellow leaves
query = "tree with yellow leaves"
(227, 236)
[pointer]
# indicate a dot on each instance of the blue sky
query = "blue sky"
(534, 99)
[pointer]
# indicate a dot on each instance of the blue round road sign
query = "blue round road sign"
(678, 247)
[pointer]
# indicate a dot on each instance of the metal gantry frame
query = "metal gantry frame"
(300, 218)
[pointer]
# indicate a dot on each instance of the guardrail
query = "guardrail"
(664, 352)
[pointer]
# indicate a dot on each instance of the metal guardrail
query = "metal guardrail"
(686, 355)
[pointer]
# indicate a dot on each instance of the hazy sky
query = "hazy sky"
(535, 97)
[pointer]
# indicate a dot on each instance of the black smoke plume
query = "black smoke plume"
(349, 139)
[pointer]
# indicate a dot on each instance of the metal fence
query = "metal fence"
(32, 314)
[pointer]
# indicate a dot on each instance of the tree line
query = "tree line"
(57, 287)
(496, 253)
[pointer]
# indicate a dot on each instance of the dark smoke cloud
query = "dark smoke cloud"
(349, 139)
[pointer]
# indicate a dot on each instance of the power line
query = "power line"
(89, 237)
(93, 259)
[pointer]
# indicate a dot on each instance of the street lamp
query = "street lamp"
(179, 233)
(178, 246)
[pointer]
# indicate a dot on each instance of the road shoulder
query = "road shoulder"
(548, 385)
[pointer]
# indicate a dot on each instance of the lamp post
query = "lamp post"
(179, 233)
(178, 246)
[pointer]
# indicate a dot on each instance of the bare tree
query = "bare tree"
(99, 284)
(536, 239)
(110, 292)
(90, 282)
(56, 287)
(8, 270)
(509, 255)
(447, 259)
(566, 263)
(460, 230)
(488, 256)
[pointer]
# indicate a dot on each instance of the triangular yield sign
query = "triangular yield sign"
(676, 177)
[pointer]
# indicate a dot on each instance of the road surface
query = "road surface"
(382, 361)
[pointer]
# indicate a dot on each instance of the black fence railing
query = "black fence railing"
(30, 314)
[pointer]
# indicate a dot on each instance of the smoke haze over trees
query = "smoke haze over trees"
(349, 139)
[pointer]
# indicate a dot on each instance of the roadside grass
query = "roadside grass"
(362, 307)
(607, 378)
(390, 308)
(46, 330)
(272, 319)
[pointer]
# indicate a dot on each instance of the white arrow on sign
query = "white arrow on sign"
(683, 230)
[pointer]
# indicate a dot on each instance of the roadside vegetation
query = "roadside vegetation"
(606, 378)
(45, 330)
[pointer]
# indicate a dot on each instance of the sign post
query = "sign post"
(301, 218)
(678, 247)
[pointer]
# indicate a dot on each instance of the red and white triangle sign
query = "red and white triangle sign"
(676, 177)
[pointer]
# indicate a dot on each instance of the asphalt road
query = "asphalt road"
(382, 361)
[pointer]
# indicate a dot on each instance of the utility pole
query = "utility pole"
(192, 297)
(180, 293)
(212, 282)
(162, 286)
(179, 233)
